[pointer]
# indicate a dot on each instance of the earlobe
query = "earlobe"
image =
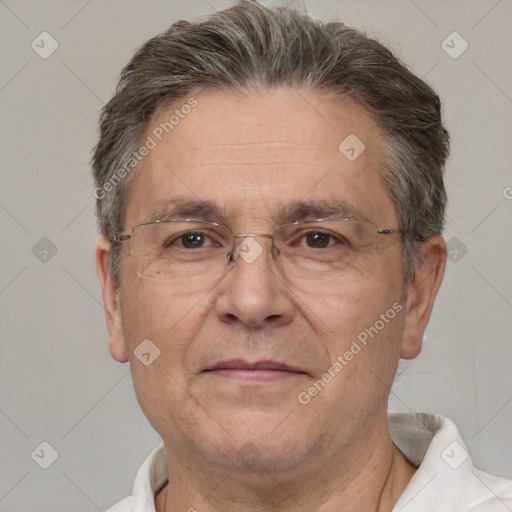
(421, 294)
(117, 350)
(110, 302)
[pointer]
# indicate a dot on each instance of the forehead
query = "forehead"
(255, 155)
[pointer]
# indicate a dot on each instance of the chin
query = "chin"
(258, 442)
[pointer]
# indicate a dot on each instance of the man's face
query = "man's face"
(251, 158)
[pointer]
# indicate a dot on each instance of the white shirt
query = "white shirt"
(445, 481)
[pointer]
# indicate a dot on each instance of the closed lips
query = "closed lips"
(237, 364)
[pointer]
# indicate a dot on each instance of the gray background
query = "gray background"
(57, 381)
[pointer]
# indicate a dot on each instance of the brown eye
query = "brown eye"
(318, 240)
(322, 240)
(193, 240)
(189, 240)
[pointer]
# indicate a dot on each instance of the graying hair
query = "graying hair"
(249, 45)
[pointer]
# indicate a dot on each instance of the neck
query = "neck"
(371, 478)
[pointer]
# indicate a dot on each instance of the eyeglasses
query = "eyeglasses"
(198, 254)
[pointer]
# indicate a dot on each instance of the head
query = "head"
(240, 119)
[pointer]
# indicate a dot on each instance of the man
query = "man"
(271, 199)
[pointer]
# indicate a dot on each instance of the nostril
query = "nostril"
(273, 318)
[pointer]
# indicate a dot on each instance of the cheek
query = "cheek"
(154, 310)
(361, 328)
(159, 309)
(341, 316)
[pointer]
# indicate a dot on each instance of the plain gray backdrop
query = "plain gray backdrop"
(57, 382)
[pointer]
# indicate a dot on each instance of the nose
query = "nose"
(254, 293)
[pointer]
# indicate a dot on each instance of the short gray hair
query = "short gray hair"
(249, 45)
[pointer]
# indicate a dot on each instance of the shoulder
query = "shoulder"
(446, 479)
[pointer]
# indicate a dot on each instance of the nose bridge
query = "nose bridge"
(253, 294)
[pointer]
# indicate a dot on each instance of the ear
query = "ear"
(421, 293)
(110, 302)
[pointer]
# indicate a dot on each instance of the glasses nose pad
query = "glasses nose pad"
(275, 252)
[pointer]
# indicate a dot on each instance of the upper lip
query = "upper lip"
(240, 364)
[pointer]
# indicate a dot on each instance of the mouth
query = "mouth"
(260, 371)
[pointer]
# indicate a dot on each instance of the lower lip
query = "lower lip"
(254, 375)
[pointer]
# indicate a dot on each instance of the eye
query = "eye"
(191, 240)
(321, 240)
(317, 240)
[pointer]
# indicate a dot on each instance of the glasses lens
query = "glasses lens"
(181, 250)
(326, 249)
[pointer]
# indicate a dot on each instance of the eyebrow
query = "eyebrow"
(181, 209)
(320, 209)
(296, 211)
